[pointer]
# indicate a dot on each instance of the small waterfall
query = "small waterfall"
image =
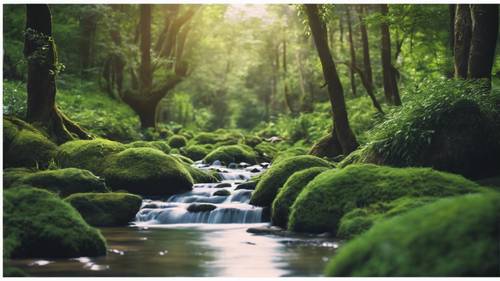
(207, 202)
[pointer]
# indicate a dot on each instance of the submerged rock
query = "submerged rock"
(201, 207)
(222, 192)
(250, 185)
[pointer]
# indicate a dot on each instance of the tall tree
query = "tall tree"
(352, 51)
(88, 28)
(463, 33)
(40, 52)
(389, 71)
(342, 132)
(145, 94)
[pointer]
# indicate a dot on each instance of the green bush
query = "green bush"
(456, 236)
(289, 192)
(106, 209)
(332, 194)
(232, 153)
(146, 171)
(177, 141)
(87, 154)
(275, 177)
(37, 224)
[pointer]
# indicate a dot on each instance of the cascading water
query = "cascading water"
(211, 203)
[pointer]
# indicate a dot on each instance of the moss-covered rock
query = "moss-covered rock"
(106, 209)
(65, 181)
(37, 224)
(147, 171)
(25, 146)
(456, 236)
(177, 141)
(160, 145)
(206, 138)
(232, 153)
(289, 192)
(11, 175)
(10, 271)
(266, 151)
(199, 175)
(195, 152)
(332, 194)
(360, 220)
(328, 146)
(182, 158)
(290, 152)
(87, 154)
(275, 177)
(252, 140)
(222, 192)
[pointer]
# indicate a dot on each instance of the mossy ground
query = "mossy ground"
(332, 194)
(275, 177)
(457, 236)
(146, 171)
(289, 192)
(37, 224)
(232, 154)
(106, 209)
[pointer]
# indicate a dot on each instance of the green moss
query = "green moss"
(206, 138)
(199, 175)
(11, 175)
(146, 171)
(275, 177)
(24, 146)
(327, 146)
(456, 236)
(332, 194)
(37, 224)
(9, 271)
(266, 151)
(289, 192)
(65, 181)
(195, 152)
(358, 220)
(182, 158)
(177, 141)
(290, 152)
(106, 209)
(87, 154)
(232, 153)
(252, 140)
(160, 145)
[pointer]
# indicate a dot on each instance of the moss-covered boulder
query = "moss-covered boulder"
(25, 146)
(147, 171)
(232, 153)
(206, 138)
(38, 224)
(360, 220)
(320, 206)
(252, 140)
(177, 141)
(447, 125)
(276, 176)
(266, 151)
(65, 181)
(289, 192)
(106, 209)
(456, 236)
(182, 158)
(158, 144)
(11, 175)
(290, 152)
(87, 154)
(199, 175)
(195, 152)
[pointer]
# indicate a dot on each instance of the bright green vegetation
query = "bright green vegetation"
(183, 159)
(65, 181)
(448, 125)
(196, 152)
(87, 154)
(266, 151)
(37, 224)
(359, 220)
(177, 141)
(160, 145)
(275, 177)
(146, 171)
(455, 236)
(232, 154)
(293, 151)
(320, 207)
(25, 146)
(106, 209)
(289, 192)
(198, 175)
(11, 175)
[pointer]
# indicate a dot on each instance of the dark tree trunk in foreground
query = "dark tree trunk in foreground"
(39, 50)
(483, 41)
(342, 130)
(463, 32)
(390, 84)
(352, 52)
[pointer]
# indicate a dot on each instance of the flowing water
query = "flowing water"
(198, 233)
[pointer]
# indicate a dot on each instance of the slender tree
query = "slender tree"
(390, 84)
(342, 133)
(88, 29)
(40, 52)
(463, 33)
(352, 51)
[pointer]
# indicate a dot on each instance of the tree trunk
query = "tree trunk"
(341, 126)
(288, 98)
(352, 52)
(145, 75)
(484, 40)
(390, 84)
(463, 33)
(88, 28)
(39, 51)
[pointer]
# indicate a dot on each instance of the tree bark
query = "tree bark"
(88, 28)
(40, 52)
(341, 126)
(145, 70)
(390, 84)
(483, 41)
(463, 34)
(352, 52)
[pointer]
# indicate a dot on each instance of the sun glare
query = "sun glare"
(241, 12)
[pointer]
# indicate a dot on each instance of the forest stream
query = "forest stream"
(168, 240)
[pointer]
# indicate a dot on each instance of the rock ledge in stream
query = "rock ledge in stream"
(195, 208)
